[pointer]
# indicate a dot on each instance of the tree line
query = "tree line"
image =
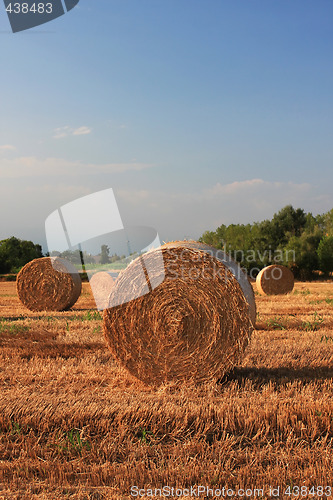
(293, 238)
(15, 253)
(299, 240)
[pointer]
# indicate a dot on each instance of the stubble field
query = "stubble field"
(73, 424)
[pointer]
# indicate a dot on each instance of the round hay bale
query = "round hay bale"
(48, 284)
(275, 280)
(194, 326)
(234, 267)
(101, 285)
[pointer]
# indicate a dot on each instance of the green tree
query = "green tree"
(328, 223)
(114, 258)
(105, 254)
(210, 238)
(15, 253)
(301, 256)
(325, 254)
(288, 222)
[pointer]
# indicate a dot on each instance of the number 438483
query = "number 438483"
(35, 8)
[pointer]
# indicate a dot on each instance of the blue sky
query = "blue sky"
(196, 113)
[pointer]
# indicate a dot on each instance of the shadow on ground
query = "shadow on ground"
(280, 376)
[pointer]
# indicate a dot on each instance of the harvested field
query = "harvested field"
(73, 424)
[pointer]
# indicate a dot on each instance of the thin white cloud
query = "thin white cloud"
(82, 131)
(253, 187)
(250, 192)
(67, 131)
(7, 147)
(31, 166)
(61, 132)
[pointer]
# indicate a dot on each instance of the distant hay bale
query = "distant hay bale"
(48, 284)
(230, 263)
(193, 326)
(101, 285)
(275, 280)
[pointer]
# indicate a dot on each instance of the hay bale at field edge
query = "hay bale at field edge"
(275, 280)
(188, 328)
(48, 284)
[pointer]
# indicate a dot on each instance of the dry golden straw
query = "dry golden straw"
(48, 284)
(193, 326)
(230, 263)
(275, 280)
(101, 284)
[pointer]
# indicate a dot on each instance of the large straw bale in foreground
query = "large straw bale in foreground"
(194, 325)
(230, 263)
(48, 284)
(275, 280)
